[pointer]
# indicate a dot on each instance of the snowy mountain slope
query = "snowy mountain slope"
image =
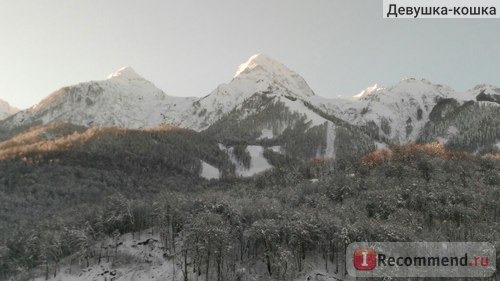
(125, 99)
(257, 162)
(6, 110)
(394, 114)
(208, 171)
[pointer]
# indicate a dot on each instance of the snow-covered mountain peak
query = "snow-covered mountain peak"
(125, 73)
(259, 75)
(263, 62)
(268, 74)
(368, 91)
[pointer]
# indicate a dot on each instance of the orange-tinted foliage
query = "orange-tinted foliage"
(64, 137)
(410, 152)
(376, 157)
(319, 160)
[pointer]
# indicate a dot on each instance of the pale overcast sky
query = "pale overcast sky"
(188, 47)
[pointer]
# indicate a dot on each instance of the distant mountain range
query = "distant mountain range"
(267, 102)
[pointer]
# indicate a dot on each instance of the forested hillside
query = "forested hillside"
(473, 126)
(269, 226)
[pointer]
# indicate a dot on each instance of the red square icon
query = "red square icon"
(365, 259)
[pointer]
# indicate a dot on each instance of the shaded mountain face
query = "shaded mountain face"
(471, 126)
(6, 110)
(266, 101)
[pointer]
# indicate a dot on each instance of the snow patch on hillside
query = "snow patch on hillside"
(208, 171)
(380, 145)
(266, 134)
(258, 162)
(330, 140)
(299, 107)
(276, 148)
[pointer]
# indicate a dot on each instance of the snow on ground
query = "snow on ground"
(138, 259)
(299, 106)
(442, 140)
(142, 259)
(258, 164)
(208, 171)
(106, 272)
(266, 134)
(380, 145)
(276, 148)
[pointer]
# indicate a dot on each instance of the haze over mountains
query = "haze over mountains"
(279, 98)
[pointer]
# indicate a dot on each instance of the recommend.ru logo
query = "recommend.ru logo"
(421, 259)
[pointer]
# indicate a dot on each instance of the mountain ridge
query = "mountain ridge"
(6, 109)
(393, 114)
